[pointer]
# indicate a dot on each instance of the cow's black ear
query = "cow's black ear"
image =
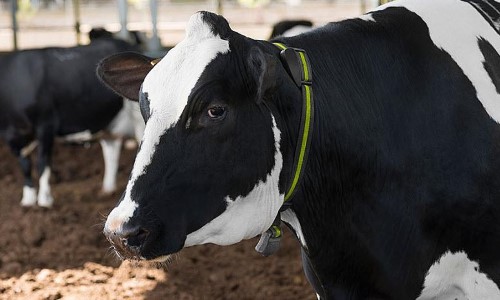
(125, 72)
(262, 67)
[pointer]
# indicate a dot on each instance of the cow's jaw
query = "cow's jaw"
(246, 216)
(168, 86)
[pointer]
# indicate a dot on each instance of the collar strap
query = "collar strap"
(298, 67)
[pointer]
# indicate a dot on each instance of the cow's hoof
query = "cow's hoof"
(130, 144)
(45, 200)
(108, 191)
(29, 196)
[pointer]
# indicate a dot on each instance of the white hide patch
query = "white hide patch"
(367, 17)
(249, 216)
(168, 86)
(455, 277)
(289, 217)
(455, 27)
(296, 30)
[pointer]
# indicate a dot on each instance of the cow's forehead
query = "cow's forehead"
(170, 82)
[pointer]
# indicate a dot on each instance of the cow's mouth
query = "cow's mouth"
(127, 255)
(161, 259)
(129, 246)
(127, 250)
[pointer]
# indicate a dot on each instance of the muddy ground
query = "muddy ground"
(61, 253)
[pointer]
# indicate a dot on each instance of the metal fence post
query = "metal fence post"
(219, 7)
(123, 14)
(76, 13)
(154, 43)
(13, 11)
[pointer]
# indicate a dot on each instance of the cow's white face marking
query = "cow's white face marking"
(168, 86)
(463, 47)
(455, 276)
(246, 217)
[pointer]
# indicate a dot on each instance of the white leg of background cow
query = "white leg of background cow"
(45, 198)
(111, 153)
(139, 124)
(29, 191)
(45, 137)
(128, 122)
(29, 196)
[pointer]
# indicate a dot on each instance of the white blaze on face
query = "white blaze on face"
(246, 217)
(455, 276)
(455, 26)
(168, 86)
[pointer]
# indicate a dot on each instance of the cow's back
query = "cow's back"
(59, 83)
(91, 105)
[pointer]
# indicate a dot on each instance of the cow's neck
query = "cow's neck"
(286, 106)
(329, 179)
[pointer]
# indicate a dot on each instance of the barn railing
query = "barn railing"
(41, 23)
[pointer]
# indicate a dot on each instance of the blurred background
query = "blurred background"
(55, 22)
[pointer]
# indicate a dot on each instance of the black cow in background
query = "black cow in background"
(52, 92)
(289, 28)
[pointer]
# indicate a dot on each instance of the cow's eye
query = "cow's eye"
(216, 112)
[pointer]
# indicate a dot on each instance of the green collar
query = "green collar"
(298, 67)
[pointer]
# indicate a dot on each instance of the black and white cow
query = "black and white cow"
(289, 28)
(402, 176)
(52, 92)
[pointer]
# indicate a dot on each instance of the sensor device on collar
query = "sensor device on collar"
(298, 67)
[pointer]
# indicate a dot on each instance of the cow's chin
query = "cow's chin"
(158, 260)
(163, 259)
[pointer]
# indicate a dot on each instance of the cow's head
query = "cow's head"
(209, 166)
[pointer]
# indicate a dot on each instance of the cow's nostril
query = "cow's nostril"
(136, 237)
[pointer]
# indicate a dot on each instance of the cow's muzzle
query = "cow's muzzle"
(127, 241)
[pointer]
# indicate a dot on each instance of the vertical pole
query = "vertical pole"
(76, 13)
(154, 43)
(13, 11)
(123, 13)
(363, 6)
(219, 7)
(216, 6)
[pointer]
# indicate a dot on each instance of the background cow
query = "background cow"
(289, 28)
(52, 92)
(402, 171)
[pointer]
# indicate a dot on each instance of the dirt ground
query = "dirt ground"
(61, 253)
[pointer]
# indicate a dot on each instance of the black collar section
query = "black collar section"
(298, 67)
